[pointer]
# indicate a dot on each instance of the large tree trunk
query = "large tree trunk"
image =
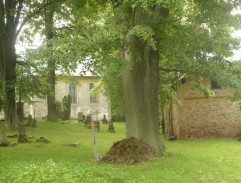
(11, 119)
(49, 24)
(141, 102)
(9, 82)
(8, 63)
(141, 81)
(52, 114)
(2, 32)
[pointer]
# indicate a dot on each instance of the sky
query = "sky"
(237, 53)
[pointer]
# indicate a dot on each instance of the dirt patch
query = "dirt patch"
(129, 151)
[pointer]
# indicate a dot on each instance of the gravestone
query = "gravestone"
(29, 120)
(42, 140)
(80, 117)
(97, 125)
(22, 138)
(104, 120)
(98, 156)
(111, 127)
(88, 119)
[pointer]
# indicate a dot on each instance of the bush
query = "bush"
(66, 102)
(64, 108)
(51, 172)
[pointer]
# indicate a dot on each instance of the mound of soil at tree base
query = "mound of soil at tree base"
(129, 151)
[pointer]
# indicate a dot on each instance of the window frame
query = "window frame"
(73, 93)
(93, 98)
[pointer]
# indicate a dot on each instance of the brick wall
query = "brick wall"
(198, 117)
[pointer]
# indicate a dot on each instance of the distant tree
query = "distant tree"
(66, 102)
(9, 21)
(49, 33)
(14, 14)
(59, 51)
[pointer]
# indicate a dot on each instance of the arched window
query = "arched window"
(73, 93)
(93, 98)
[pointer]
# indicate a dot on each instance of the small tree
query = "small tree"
(66, 102)
(64, 108)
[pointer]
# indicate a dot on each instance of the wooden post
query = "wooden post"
(94, 139)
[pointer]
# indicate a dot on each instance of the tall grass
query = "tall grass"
(194, 161)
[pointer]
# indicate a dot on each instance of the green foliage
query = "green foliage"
(66, 102)
(144, 33)
(59, 109)
(64, 108)
(167, 89)
(30, 81)
(52, 172)
(205, 91)
(193, 40)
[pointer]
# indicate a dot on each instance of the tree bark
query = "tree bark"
(49, 24)
(52, 113)
(141, 102)
(8, 62)
(140, 83)
(2, 32)
(9, 82)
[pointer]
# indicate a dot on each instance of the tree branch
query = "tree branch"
(20, 6)
(29, 17)
(179, 70)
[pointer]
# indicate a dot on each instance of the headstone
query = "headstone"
(97, 125)
(29, 120)
(80, 117)
(104, 120)
(42, 140)
(22, 138)
(88, 119)
(111, 127)
(98, 156)
(73, 145)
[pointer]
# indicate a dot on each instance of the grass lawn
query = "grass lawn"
(192, 161)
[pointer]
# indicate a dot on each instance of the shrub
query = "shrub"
(64, 108)
(67, 172)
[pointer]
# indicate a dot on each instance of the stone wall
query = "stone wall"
(199, 117)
